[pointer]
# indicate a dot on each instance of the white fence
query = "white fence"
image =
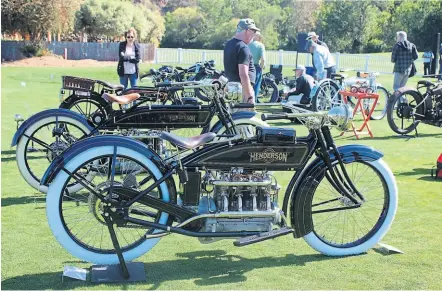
(286, 58)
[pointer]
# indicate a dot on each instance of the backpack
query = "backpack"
(436, 172)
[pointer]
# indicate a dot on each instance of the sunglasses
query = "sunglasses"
(129, 37)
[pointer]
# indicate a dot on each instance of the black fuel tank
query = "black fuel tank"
(276, 135)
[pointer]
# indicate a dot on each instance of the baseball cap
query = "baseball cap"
(300, 67)
(247, 23)
(311, 34)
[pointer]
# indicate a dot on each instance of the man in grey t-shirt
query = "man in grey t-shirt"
(238, 60)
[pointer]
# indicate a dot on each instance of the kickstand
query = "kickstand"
(415, 127)
(116, 245)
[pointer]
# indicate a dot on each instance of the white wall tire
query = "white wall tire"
(316, 243)
(55, 219)
(21, 148)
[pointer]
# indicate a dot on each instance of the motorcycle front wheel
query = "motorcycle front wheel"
(351, 231)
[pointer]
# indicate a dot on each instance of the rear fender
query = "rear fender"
(101, 140)
(300, 201)
(48, 113)
(106, 140)
(241, 117)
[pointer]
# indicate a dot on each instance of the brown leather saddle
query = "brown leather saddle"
(123, 99)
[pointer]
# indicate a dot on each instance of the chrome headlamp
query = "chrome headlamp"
(341, 116)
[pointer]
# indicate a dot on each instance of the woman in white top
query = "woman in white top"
(129, 57)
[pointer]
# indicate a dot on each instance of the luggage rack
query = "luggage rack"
(78, 84)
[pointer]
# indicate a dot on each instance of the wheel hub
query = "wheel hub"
(404, 110)
(97, 118)
(56, 148)
(346, 201)
(98, 207)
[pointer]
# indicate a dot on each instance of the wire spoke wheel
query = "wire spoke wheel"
(267, 91)
(47, 142)
(403, 112)
(381, 106)
(83, 212)
(353, 226)
(326, 96)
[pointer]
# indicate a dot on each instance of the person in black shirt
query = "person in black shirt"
(304, 84)
(238, 60)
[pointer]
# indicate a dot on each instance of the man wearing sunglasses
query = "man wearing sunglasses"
(238, 60)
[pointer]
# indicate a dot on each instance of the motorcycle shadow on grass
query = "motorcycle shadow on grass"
(205, 268)
(217, 267)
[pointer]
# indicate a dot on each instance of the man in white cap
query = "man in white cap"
(313, 36)
(304, 84)
(322, 59)
(238, 60)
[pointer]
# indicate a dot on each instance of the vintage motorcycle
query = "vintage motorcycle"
(410, 106)
(342, 202)
(83, 95)
(326, 93)
(48, 133)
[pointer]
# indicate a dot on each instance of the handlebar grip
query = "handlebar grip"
(266, 116)
(243, 105)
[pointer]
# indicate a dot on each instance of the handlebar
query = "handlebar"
(266, 116)
(242, 105)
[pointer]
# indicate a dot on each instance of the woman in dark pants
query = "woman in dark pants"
(129, 52)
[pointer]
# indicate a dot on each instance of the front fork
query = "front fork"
(340, 180)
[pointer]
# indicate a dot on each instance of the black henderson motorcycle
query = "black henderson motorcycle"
(341, 200)
(48, 133)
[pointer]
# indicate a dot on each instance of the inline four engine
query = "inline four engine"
(243, 201)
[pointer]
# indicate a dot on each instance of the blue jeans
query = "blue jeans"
(440, 68)
(258, 81)
(124, 80)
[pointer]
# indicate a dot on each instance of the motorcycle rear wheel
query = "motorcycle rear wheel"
(403, 110)
(79, 226)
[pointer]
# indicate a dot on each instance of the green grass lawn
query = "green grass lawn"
(32, 258)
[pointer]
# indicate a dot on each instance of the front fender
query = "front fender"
(300, 201)
(48, 113)
(242, 117)
(102, 140)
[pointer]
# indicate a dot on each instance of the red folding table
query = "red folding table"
(366, 114)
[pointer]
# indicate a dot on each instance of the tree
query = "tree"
(27, 17)
(184, 26)
(345, 24)
(266, 19)
(111, 18)
(173, 5)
